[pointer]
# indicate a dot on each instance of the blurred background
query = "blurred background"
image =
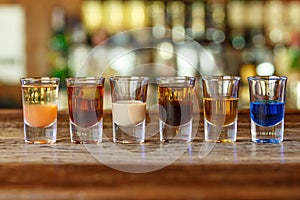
(245, 38)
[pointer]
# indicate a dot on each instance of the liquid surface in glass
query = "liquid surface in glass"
(85, 104)
(40, 115)
(175, 104)
(128, 112)
(220, 111)
(267, 113)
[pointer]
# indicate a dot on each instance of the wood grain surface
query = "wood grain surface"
(243, 170)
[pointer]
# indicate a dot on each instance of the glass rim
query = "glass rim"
(221, 77)
(129, 78)
(37, 78)
(175, 78)
(72, 81)
(273, 77)
(85, 78)
(176, 81)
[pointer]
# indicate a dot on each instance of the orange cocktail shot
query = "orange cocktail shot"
(40, 115)
(40, 97)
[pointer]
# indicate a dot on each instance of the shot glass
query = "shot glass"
(85, 103)
(129, 95)
(175, 98)
(267, 105)
(40, 100)
(220, 108)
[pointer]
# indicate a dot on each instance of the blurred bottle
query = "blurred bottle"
(134, 14)
(292, 65)
(257, 56)
(196, 22)
(176, 19)
(215, 26)
(257, 36)
(58, 53)
(113, 16)
(58, 46)
(215, 19)
(294, 42)
(294, 54)
(79, 50)
(157, 17)
(91, 15)
(236, 22)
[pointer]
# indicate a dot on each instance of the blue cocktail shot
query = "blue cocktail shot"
(267, 107)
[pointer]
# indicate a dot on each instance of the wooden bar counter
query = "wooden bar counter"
(243, 170)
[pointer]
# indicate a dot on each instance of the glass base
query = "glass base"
(175, 134)
(261, 134)
(220, 134)
(266, 141)
(129, 135)
(90, 135)
(37, 135)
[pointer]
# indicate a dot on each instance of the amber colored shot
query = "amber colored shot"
(85, 103)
